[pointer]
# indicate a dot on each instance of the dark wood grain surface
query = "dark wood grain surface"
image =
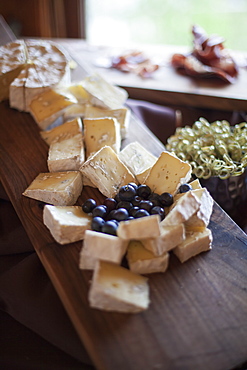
(198, 313)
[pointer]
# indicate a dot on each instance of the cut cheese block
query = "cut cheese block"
(195, 184)
(201, 218)
(101, 246)
(115, 288)
(74, 111)
(49, 105)
(170, 237)
(12, 61)
(106, 171)
(139, 228)
(57, 188)
(45, 63)
(168, 173)
(66, 224)
(142, 261)
(121, 114)
(79, 93)
(138, 159)
(99, 132)
(66, 155)
(182, 209)
(64, 131)
(195, 243)
(103, 94)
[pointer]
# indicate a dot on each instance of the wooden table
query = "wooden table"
(198, 313)
(167, 86)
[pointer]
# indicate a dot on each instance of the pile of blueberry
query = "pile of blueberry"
(132, 201)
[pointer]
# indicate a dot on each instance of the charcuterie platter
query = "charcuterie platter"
(198, 312)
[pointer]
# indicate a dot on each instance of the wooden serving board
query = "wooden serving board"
(198, 313)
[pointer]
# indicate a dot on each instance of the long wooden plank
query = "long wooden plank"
(198, 315)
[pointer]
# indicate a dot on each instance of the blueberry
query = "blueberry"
(136, 201)
(97, 223)
(184, 188)
(135, 186)
(124, 204)
(155, 199)
(146, 204)
(166, 199)
(99, 211)
(110, 227)
(110, 204)
(133, 211)
(157, 210)
(89, 205)
(121, 214)
(143, 191)
(141, 213)
(127, 193)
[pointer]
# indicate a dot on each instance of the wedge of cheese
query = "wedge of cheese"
(66, 155)
(49, 105)
(103, 94)
(182, 209)
(115, 288)
(45, 63)
(107, 173)
(168, 173)
(170, 237)
(138, 159)
(62, 132)
(12, 62)
(143, 261)
(99, 132)
(195, 243)
(200, 219)
(121, 114)
(139, 228)
(66, 224)
(101, 246)
(57, 188)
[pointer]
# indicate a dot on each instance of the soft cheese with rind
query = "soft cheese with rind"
(121, 114)
(139, 228)
(103, 94)
(143, 261)
(170, 237)
(182, 209)
(200, 219)
(66, 224)
(102, 246)
(64, 131)
(99, 132)
(66, 155)
(49, 105)
(115, 288)
(57, 188)
(168, 173)
(138, 159)
(107, 173)
(195, 242)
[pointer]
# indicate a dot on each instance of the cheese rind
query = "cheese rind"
(66, 224)
(182, 209)
(201, 218)
(66, 155)
(115, 288)
(168, 173)
(101, 246)
(138, 159)
(103, 94)
(49, 105)
(64, 131)
(139, 228)
(99, 132)
(57, 188)
(195, 243)
(106, 171)
(121, 114)
(170, 237)
(142, 261)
